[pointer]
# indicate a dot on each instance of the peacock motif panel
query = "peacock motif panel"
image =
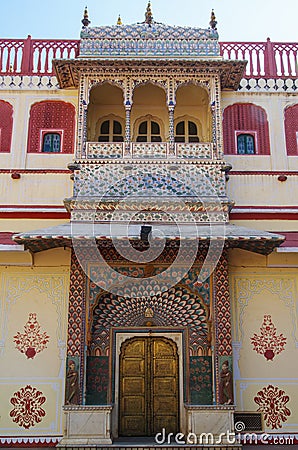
(186, 304)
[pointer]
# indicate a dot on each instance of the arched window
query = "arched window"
(246, 144)
(248, 120)
(291, 130)
(110, 131)
(6, 112)
(186, 131)
(51, 143)
(148, 131)
(51, 126)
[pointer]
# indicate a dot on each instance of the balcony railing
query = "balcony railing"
(34, 56)
(155, 150)
(264, 59)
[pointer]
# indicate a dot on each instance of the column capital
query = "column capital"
(127, 104)
(171, 105)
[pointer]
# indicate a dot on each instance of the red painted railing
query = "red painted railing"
(34, 56)
(264, 59)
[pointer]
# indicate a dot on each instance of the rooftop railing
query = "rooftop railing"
(34, 56)
(264, 59)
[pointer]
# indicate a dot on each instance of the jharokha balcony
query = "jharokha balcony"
(156, 150)
(34, 56)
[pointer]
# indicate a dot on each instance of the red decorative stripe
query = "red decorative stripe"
(291, 239)
(44, 207)
(262, 172)
(270, 207)
(263, 216)
(35, 171)
(34, 215)
(5, 238)
(28, 442)
(29, 445)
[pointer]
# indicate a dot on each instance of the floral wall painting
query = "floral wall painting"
(268, 343)
(32, 341)
(272, 403)
(27, 410)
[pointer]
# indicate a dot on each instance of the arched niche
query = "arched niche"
(6, 121)
(149, 100)
(105, 101)
(193, 104)
(246, 119)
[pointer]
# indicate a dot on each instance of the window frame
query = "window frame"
(45, 131)
(111, 119)
(138, 121)
(249, 133)
(186, 120)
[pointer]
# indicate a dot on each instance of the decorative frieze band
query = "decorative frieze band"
(116, 150)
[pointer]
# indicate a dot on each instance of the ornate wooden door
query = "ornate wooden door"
(149, 388)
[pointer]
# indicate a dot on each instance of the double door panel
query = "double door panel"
(148, 387)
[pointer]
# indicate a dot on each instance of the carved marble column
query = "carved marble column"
(215, 106)
(127, 128)
(171, 108)
(82, 121)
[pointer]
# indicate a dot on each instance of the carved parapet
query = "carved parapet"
(194, 150)
(150, 150)
(86, 426)
(103, 150)
(214, 423)
(143, 150)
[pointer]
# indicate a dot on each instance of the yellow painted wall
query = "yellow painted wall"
(19, 225)
(257, 189)
(262, 286)
(35, 189)
(269, 225)
(22, 100)
(41, 289)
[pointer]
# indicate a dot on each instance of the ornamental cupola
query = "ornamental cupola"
(148, 39)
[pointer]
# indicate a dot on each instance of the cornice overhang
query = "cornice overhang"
(82, 233)
(69, 71)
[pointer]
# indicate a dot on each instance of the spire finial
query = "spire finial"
(85, 20)
(213, 22)
(119, 21)
(148, 14)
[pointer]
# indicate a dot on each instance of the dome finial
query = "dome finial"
(148, 14)
(85, 20)
(213, 22)
(119, 21)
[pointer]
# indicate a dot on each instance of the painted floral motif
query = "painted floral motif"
(272, 403)
(31, 341)
(267, 343)
(27, 410)
(200, 380)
